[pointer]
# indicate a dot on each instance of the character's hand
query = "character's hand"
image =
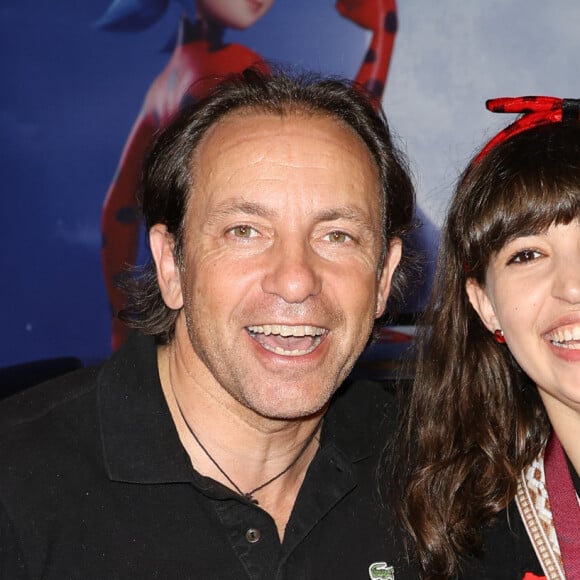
(369, 14)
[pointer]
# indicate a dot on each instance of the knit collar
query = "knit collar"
(141, 443)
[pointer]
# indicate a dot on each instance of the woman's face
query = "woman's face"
(532, 293)
(233, 13)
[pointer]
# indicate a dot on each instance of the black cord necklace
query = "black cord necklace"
(250, 494)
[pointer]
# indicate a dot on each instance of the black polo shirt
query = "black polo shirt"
(95, 484)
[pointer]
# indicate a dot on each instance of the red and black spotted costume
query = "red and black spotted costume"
(199, 52)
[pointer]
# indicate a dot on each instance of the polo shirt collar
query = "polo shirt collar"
(140, 441)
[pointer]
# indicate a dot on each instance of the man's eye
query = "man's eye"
(524, 256)
(338, 237)
(243, 231)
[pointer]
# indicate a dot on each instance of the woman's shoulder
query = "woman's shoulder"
(507, 552)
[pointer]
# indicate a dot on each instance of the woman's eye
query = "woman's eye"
(338, 237)
(243, 231)
(524, 256)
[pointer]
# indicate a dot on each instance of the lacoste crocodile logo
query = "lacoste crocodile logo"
(381, 571)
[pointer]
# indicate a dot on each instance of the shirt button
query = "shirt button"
(253, 535)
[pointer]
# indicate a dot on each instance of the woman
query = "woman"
(492, 426)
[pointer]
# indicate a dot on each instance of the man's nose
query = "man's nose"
(292, 272)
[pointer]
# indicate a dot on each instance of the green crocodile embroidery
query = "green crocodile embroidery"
(381, 571)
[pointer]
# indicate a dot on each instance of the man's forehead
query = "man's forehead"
(278, 162)
(248, 143)
(235, 127)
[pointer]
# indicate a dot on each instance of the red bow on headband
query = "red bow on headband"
(535, 111)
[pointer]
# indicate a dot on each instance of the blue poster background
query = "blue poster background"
(71, 91)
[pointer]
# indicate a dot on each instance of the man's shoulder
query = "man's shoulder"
(48, 434)
(362, 414)
(366, 398)
(46, 402)
(76, 391)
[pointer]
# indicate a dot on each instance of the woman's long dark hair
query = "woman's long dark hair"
(472, 419)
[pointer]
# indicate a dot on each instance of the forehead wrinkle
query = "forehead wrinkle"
(239, 206)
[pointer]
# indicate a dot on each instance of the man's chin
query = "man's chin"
(287, 404)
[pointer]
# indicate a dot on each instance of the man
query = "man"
(275, 209)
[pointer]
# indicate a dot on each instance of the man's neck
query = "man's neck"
(232, 446)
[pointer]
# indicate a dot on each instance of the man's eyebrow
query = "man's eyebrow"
(346, 212)
(234, 207)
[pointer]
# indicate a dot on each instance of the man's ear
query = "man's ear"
(482, 304)
(162, 246)
(392, 260)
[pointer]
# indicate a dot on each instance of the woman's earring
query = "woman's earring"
(499, 337)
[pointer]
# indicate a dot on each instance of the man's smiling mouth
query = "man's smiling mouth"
(288, 340)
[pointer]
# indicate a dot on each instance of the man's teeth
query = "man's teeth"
(564, 338)
(285, 352)
(285, 330)
(303, 337)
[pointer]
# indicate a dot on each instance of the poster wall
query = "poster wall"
(75, 77)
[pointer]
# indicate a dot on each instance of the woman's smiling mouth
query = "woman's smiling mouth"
(566, 338)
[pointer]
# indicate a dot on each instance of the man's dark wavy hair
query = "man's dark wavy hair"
(169, 170)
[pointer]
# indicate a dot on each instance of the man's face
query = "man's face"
(281, 281)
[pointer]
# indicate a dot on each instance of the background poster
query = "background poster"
(71, 92)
